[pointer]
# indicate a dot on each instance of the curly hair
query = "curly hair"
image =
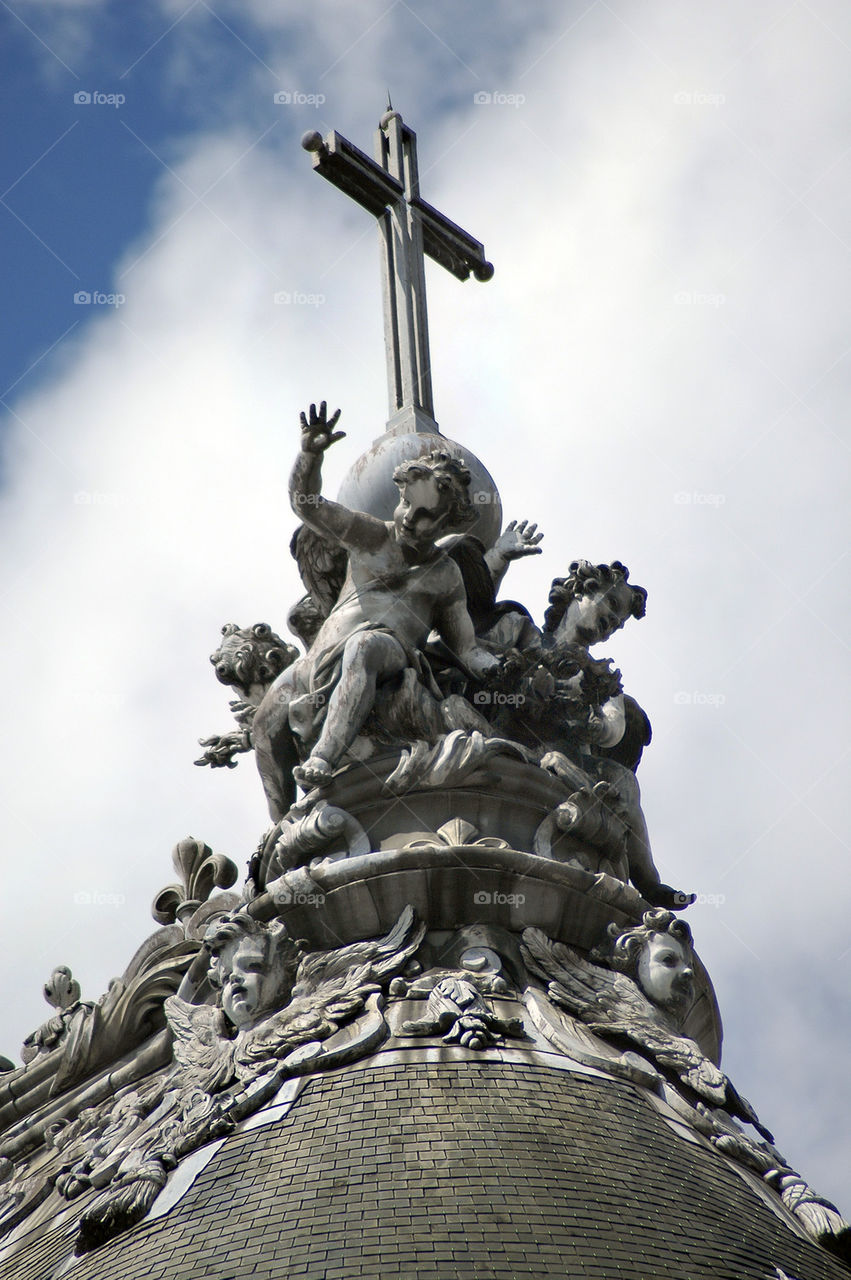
(622, 948)
(586, 579)
(236, 925)
(251, 655)
(451, 475)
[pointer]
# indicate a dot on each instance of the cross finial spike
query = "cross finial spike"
(389, 103)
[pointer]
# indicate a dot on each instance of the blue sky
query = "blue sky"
(658, 372)
(79, 176)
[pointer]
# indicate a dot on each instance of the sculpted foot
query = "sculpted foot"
(315, 772)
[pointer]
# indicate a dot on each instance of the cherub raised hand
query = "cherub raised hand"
(515, 541)
(317, 433)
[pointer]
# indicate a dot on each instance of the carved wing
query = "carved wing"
(200, 1049)
(613, 1006)
(360, 963)
(322, 565)
(586, 989)
(332, 988)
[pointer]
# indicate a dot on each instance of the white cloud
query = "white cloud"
(666, 321)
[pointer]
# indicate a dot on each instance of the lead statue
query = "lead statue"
(399, 586)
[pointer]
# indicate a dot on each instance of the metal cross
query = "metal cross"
(388, 187)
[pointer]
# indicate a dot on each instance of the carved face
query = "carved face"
(589, 619)
(421, 514)
(250, 983)
(665, 972)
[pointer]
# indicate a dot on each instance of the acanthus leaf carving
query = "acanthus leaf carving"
(451, 761)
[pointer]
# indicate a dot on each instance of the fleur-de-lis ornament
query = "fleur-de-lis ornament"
(200, 871)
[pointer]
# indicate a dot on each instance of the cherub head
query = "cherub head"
(658, 955)
(592, 602)
(251, 657)
(434, 493)
(254, 965)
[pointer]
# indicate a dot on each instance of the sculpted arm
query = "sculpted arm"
(352, 528)
(456, 629)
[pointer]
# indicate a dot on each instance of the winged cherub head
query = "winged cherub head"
(658, 955)
(253, 965)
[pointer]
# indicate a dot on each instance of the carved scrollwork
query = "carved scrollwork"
(297, 839)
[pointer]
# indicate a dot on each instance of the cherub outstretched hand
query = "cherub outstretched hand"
(318, 433)
(515, 541)
(518, 540)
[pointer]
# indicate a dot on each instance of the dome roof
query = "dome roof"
(438, 1162)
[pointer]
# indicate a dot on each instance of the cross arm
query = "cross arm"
(353, 171)
(448, 244)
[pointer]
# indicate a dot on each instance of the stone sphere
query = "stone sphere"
(368, 485)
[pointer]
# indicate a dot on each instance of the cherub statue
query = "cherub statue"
(248, 659)
(639, 990)
(586, 608)
(253, 965)
(399, 586)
